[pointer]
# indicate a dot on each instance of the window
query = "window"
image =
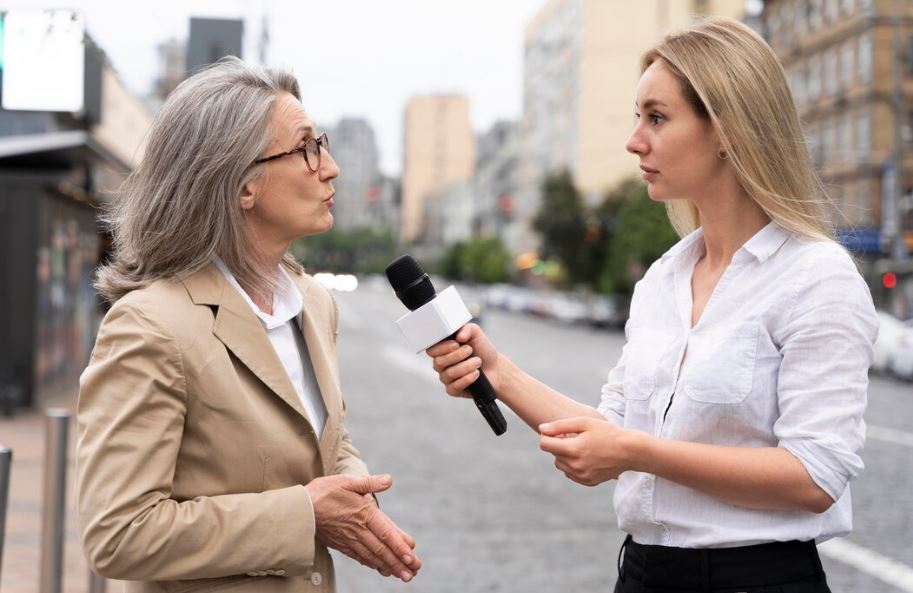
(814, 78)
(847, 6)
(863, 134)
(814, 14)
(830, 71)
(830, 11)
(825, 143)
(846, 64)
(842, 140)
(864, 57)
(800, 20)
(797, 84)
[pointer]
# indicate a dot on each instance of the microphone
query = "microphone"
(413, 287)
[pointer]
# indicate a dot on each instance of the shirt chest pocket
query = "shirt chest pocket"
(643, 355)
(720, 364)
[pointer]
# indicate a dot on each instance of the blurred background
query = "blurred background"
(486, 139)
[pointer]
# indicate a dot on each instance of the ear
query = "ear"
(248, 196)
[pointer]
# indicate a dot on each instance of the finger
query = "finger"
(383, 553)
(456, 356)
(369, 558)
(442, 347)
(468, 333)
(369, 484)
(410, 541)
(557, 446)
(389, 534)
(564, 425)
(458, 387)
(457, 371)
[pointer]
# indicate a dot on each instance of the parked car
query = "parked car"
(890, 333)
(901, 361)
(607, 311)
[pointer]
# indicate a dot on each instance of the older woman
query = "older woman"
(212, 453)
(733, 421)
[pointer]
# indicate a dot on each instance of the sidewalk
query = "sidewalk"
(24, 433)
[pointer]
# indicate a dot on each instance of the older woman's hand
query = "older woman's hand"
(457, 362)
(349, 520)
(588, 450)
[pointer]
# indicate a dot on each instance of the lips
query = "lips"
(646, 169)
(330, 201)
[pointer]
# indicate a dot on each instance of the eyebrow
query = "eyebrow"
(649, 103)
(302, 129)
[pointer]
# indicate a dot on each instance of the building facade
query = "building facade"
(439, 151)
(354, 147)
(850, 68)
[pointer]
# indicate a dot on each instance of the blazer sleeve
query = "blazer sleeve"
(131, 413)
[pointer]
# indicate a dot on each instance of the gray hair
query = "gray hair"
(181, 205)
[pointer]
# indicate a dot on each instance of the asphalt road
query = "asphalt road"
(492, 513)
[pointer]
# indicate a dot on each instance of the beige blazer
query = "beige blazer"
(193, 446)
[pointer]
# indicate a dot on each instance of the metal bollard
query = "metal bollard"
(97, 584)
(6, 460)
(57, 424)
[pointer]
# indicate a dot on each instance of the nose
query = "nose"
(328, 168)
(635, 143)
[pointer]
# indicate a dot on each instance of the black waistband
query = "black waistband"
(702, 568)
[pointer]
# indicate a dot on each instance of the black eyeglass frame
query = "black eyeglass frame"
(322, 141)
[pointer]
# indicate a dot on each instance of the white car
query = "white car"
(890, 332)
(901, 363)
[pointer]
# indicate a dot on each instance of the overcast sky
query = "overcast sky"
(353, 57)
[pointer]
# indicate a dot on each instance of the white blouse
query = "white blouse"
(283, 328)
(779, 358)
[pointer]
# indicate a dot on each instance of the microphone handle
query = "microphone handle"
(484, 396)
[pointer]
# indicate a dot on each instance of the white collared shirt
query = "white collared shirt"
(285, 333)
(779, 357)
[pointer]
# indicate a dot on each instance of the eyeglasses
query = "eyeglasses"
(310, 151)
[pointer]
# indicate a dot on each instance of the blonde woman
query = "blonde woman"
(733, 420)
(212, 453)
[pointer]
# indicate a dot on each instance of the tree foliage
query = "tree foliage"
(483, 259)
(364, 250)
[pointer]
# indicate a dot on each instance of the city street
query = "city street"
(492, 513)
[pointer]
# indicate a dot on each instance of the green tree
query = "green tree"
(357, 251)
(640, 234)
(562, 223)
(483, 259)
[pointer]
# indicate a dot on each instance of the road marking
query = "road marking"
(870, 562)
(416, 364)
(889, 435)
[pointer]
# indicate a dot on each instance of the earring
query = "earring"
(722, 153)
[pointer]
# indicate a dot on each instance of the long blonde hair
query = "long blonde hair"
(181, 205)
(732, 77)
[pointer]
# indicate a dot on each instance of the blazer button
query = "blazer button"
(316, 579)
(280, 573)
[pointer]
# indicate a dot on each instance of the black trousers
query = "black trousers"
(782, 567)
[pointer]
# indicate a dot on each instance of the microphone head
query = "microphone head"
(410, 282)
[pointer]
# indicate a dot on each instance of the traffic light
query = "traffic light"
(889, 279)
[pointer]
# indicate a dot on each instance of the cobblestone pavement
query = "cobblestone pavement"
(492, 513)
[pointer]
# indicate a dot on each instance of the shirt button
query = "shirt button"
(280, 573)
(316, 579)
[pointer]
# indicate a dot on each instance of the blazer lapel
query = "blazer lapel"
(317, 330)
(238, 328)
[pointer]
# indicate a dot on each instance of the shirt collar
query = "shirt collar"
(761, 245)
(287, 300)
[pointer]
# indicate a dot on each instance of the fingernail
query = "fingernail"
(545, 426)
(385, 480)
(406, 576)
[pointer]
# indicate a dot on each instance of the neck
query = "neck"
(728, 224)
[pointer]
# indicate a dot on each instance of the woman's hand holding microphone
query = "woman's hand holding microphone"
(589, 450)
